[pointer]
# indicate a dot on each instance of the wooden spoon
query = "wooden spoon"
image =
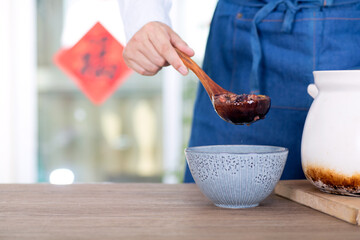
(233, 108)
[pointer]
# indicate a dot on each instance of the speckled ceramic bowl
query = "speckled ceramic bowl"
(236, 176)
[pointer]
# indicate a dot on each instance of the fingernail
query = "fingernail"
(183, 70)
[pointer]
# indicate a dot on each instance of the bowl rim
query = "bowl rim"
(279, 149)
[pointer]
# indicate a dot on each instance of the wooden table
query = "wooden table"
(153, 211)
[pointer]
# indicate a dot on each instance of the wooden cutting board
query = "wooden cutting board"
(303, 192)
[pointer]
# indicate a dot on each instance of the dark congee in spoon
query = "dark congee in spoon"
(241, 109)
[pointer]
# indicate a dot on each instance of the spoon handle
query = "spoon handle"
(210, 86)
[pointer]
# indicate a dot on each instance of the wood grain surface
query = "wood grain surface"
(302, 191)
(153, 211)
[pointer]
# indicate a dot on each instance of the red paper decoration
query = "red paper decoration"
(95, 63)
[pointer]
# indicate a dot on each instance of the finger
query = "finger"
(181, 44)
(149, 51)
(137, 68)
(163, 46)
(141, 60)
(147, 63)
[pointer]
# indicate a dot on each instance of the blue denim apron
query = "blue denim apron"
(272, 48)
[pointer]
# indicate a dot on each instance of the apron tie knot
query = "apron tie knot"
(291, 10)
(289, 16)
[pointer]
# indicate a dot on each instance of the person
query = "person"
(269, 47)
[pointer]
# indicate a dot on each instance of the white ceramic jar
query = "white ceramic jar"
(330, 148)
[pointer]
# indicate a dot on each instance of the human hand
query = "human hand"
(152, 48)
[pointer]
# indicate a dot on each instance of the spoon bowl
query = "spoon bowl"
(233, 108)
(241, 109)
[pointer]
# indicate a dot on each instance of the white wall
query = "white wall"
(18, 91)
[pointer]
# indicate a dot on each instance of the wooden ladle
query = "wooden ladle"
(233, 108)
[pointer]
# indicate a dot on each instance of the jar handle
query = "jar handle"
(312, 90)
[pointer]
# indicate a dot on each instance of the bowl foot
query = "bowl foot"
(236, 206)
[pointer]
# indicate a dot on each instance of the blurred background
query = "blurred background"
(50, 130)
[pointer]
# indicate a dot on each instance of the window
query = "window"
(137, 135)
